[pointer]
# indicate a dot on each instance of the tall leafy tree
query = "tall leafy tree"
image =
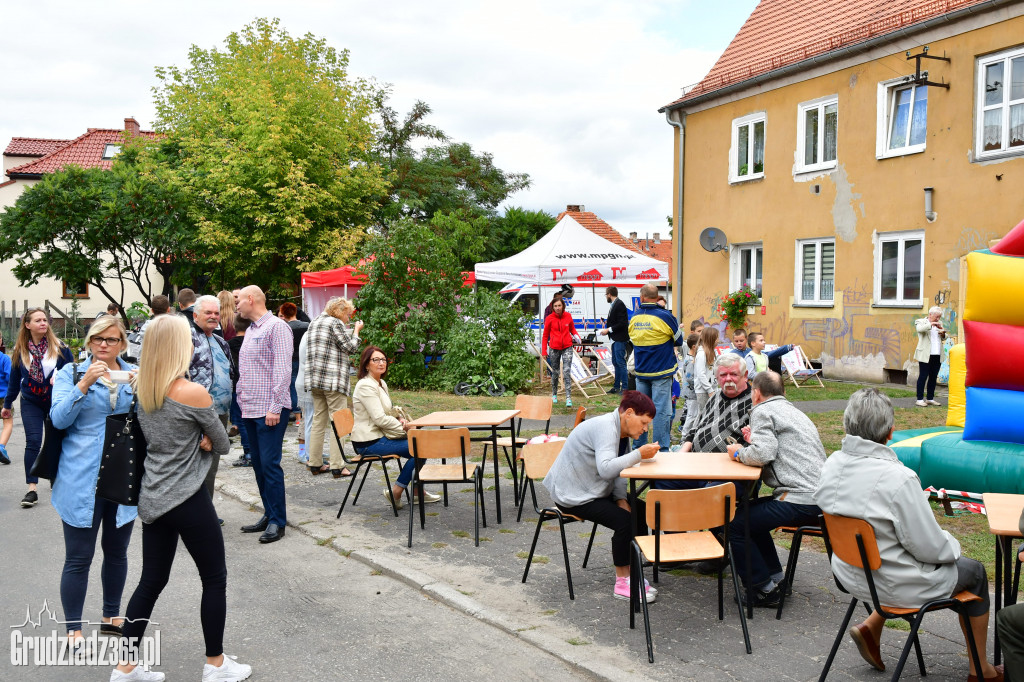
(270, 142)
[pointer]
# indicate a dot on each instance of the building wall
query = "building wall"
(975, 203)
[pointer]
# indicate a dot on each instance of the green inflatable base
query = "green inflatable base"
(943, 459)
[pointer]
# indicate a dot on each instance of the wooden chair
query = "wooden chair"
(686, 516)
(430, 444)
(534, 408)
(581, 414)
(799, 533)
(341, 424)
(538, 458)
(853, 541)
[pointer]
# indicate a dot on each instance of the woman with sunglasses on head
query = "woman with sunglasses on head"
(376, 431)
(38, 355)
(81, 409)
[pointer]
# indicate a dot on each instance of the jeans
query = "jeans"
(195, 522)
(928, 372)
(660, 391)
(291, 385)
(605, 512)
(265, 443)
(765, 516)
(79, 548)
(306, 408)
(236, 418)
(565, 356)
(619, 362)
(32, 416)
(387, 446)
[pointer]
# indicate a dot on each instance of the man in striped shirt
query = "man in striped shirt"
(265, 372)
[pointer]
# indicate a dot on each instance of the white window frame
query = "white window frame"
(817, 300)
(820, 105)
(735, 259)
(110, 150)
(980, 108)
(902, 238)
(747, 122)
(886, 101)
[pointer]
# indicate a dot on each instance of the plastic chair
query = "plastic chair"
(799, 533)
(678, 513)
(428, 444)
(538, 458)
(535, 408)
(853, 541)
(341, 424)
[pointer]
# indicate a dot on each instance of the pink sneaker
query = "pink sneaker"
(621, 590)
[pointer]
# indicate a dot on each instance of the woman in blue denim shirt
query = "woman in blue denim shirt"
(82, 410)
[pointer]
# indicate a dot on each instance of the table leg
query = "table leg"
(515, 464)
(497, 477)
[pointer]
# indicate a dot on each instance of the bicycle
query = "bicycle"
(478, 384)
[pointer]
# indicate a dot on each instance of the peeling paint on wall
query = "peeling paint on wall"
(844, 216)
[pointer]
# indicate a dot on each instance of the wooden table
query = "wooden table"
(1003, 512)
(477, 420)
(696, 466)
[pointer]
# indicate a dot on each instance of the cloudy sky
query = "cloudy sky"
(564, 90)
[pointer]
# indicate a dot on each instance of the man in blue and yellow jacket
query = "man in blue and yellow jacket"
(654, 333)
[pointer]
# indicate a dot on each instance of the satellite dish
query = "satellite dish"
(713, 239)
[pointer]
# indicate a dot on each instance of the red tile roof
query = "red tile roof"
(783, 32)
(85, 151)
(662, 250)
(33, 146)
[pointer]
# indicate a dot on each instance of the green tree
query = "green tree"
(270, 141)
(517, 229)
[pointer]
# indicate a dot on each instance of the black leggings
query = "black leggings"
(195, 521)
(928, 371)
(605, 512)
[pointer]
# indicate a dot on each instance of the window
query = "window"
(745, 267)
(747, 158)
(1000, 118)
(899, 267)
(815, 271)
(902, 118)
(73, 289)
(111, 150)
(817, 134)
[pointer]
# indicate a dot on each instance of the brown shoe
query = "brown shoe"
(867, 646)
(997, 678)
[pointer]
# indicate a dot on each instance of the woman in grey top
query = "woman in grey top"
(183, 433)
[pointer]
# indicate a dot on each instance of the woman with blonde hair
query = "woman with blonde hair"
(227, 314)
(184, 434)
(82, 401)
(704, 382)
(38, 354)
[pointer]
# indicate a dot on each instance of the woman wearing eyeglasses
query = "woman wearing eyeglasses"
(376, 431)
(38, 354)
(81, 408)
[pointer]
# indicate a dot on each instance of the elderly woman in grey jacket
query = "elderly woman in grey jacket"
(929, 353)
(920, 561)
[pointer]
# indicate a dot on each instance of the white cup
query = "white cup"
(120, 376)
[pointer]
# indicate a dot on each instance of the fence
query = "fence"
(10, 320)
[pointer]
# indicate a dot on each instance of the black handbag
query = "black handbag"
(123, 461)
(48, 459)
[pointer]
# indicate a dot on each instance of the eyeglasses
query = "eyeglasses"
(378, 359)
(106, 340)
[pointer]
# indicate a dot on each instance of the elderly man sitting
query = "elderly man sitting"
(784, 441)
(920, 561)
(725, 414)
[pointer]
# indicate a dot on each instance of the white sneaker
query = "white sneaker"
(933, 402)
(921, 403)
(430, 498)
(140, 673)
(229, 671)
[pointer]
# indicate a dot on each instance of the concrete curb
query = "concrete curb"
(453, 598)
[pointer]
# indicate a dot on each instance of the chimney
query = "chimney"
(131, 126)
(575, 208)
(632, 237)
(657, 237)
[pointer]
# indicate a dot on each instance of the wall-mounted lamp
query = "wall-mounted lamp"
(929, 213)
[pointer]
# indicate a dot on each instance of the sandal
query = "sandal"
(341, 473)
(322, 469)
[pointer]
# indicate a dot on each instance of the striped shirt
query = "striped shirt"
(265, 368)
(721, 419)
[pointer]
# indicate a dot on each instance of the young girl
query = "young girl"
(703, 381)
(5, 376)
(689, 393)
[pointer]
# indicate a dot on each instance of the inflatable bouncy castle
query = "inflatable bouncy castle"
(981, 448)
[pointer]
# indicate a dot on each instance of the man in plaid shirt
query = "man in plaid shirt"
(328, 345)
(265, 373)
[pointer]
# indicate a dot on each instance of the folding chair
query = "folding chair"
(686, 516)
(538, 458)
(532, 407)
(853, 541)
(799, 533)
(341, 424)
(427, 444)
(799, 369)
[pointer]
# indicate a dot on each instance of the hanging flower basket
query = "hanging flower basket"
(733, 308)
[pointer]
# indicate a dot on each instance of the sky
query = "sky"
(565, 91)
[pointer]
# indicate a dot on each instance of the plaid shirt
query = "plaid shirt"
(721, 418)
(265, 368)
(328, 346)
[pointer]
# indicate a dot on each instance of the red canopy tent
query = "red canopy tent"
(346, 281)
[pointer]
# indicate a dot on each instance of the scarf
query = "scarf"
(38, 353)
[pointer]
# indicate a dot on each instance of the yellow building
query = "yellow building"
(846, 183)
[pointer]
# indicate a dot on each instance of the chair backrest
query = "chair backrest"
(343, 421)
(842, 537)
(581, 414)
(539, 457)
(439, 443)
(683, 510)
(536, 407)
